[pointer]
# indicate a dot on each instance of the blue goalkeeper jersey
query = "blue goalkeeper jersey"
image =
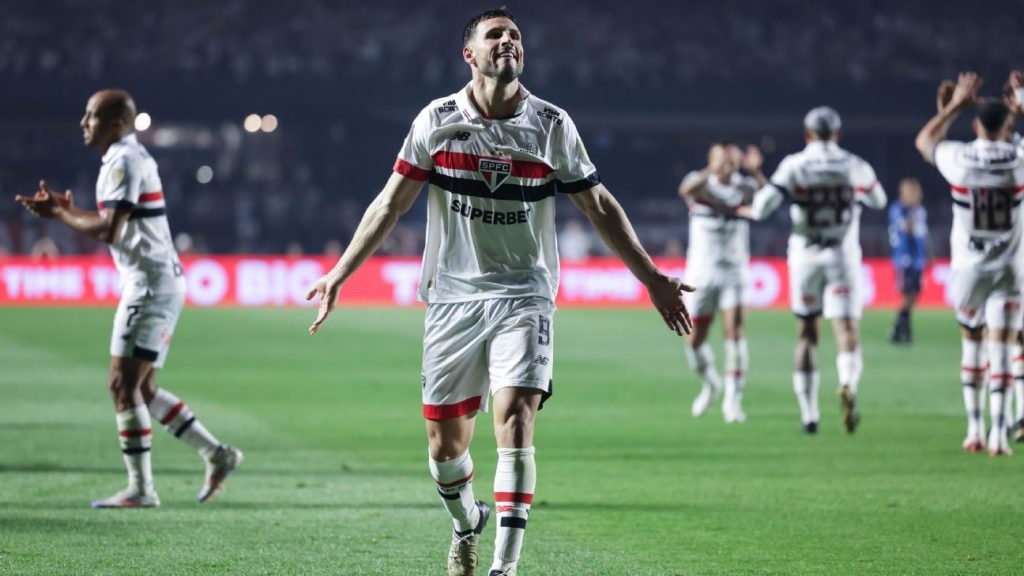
(908, 232)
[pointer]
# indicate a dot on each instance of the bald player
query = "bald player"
(826, 186)
(132, 220)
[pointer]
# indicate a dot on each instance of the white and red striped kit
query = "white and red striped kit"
(986, 181)
(490, 266)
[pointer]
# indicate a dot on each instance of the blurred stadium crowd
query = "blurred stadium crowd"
(649, 83)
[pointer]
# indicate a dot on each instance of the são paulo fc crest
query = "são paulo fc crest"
(494, 171)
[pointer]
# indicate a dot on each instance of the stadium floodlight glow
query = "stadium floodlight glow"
(269, 123)
(143, 121)
(252, 123)
(204, 174)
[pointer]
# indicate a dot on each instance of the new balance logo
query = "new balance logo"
(540, 360)
(460, 136)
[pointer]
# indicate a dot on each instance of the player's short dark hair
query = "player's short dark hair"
(118, 103)
(992, 114)
(470, 29)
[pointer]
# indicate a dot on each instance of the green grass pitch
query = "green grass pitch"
(336, 482)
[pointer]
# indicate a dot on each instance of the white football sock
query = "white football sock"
(1000, 379)
(454, 480)
(514, 482)
(972, 376)
(1018, 381)
(136, 438)
(702, 361)
(177, 419)
(735, 372)
(805, 385)
(850, 365)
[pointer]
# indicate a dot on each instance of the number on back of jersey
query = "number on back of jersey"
(992, 209)
(829, 206)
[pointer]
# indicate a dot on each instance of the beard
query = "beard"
(504, 71)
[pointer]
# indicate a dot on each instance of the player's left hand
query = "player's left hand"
(944, 94)
(752, 159)
(1013, 92)
(327, 287)
(667, 295)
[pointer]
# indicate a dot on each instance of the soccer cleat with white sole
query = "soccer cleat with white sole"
(218, 467)
(811, 427)
(703, 401)
(998, 444)
(510, 571)
(129, 498)
(974, 444)
(462, 555)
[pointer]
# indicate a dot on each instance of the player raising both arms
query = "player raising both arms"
(827, 186)
(986, 179)
(132, 220)
(494, 156)
(717, 258)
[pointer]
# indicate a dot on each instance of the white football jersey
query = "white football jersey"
(986, 180)
(720, 240)
(490, 203)
(144, 252)
(826, 185)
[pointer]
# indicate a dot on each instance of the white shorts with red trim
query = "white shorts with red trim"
(717, 289)
(473, 349)
(144, 324)
(987, 297)
(824, 280)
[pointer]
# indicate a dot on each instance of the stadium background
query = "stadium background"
(335, 480)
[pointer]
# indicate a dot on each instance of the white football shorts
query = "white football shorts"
(473, 349)
(986, 297)
(823, 279)
(144, 324)
(717, 289)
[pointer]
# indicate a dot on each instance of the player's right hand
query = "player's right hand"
(326, 288)
(667, 295)
(944, 94)
(965, 93)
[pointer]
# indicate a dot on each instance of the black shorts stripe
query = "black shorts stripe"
(133, 451)
(145, 354)
(446, 496)
(476, 188)
(579, 185)
(147, 213)
(513, 522)
(188, 424)
(547, 394)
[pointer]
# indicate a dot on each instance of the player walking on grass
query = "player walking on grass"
(986, 178)
(494, 156)
(132, 219)
(717, 258)
(827, 186)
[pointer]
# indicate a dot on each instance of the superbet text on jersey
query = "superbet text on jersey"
(491, 206)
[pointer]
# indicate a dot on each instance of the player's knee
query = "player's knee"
(515, 428)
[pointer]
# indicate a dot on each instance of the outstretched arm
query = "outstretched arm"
(394, 200)
(965, 93)
(104, 225)
(610, 221)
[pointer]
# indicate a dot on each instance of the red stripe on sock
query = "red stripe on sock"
(174, 412)
(520, 497)
(736, 373)
(975, 370)
(136, 433)
(456, 483)
(1001, 377)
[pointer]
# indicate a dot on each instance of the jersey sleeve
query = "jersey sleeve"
(574, 172)
(865, 183)
(124, 184)
(945, 160)
(414, 159)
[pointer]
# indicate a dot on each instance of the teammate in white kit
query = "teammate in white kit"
(986, 178)
(132, 220)
(827, 186)
(494, 156)
(718, 255)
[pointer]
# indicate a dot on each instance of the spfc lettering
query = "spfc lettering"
(494, 171)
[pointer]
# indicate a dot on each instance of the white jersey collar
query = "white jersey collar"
(126, 140)
(472, 114)
(822, 146)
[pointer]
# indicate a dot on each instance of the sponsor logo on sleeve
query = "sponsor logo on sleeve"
(448, 107)
(551, 114)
